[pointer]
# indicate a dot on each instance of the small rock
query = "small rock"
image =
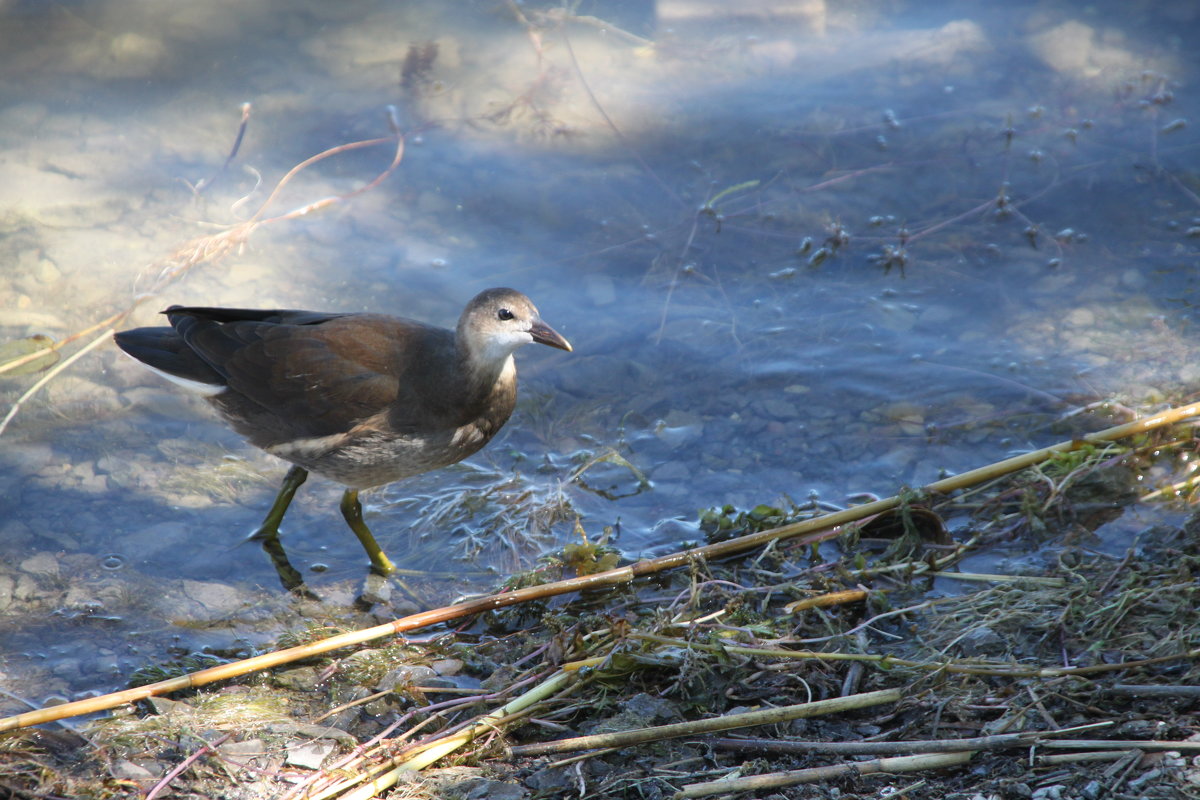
(677, 418)
(981, 641)
(672, 471)
(16, 535)
(679, 436)
(1081, 318)
(148, 543)
(218, 599)
(404, 677)
(1148, 777)
(780, 408)
(76, 392)
(312, 731)
(447, 666)
(376, 590)
(243, 752)
(300, 679)
(41, 564)
(125, 770)
(551, 780)
(1133, 279)
(7, 584)
(46, 272)
(650, 708)
(82, 596)
(166, 706)
(484, 789)
(27, 589)
(67, 668)
(310, 754)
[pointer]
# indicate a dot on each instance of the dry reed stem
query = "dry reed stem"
(778, 780)
(998, 741)
(51, 375)
(181, 767)
(1080, 758)
(1138, 744)
(985, 577)
(422, 756)
(746, 719)
(111, 322)
(817, 529)
(828, 599)
(1153, 690)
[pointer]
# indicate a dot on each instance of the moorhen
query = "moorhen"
(363, 399)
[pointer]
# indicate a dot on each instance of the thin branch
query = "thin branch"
(770, 716)
(777, 780)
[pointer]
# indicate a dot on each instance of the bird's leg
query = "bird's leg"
(295, 478)
(352, 511)
(268, 532)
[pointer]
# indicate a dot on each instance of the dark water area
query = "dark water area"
(803, 252)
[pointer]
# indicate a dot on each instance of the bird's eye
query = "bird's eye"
(504, 314)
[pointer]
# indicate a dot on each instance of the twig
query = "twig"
(51, 375)
(777, 780)
(1125, 744)
(421, 758)
(209, 747)
(1152, 690)
(233, 151)
(111, 322)
(1000, 741)
(828, 599)
(983, 577)
(1078, 758)
(746, 719)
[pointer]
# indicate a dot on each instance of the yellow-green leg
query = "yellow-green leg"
(352, 511)
(268, 532)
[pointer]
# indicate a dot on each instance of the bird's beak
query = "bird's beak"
(544, 334)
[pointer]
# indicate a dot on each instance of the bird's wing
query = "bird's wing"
(296, 374)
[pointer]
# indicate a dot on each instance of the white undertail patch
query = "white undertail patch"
(200, 387)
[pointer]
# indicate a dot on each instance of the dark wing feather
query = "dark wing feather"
(299, 374)
(277, 316)
(304, 374)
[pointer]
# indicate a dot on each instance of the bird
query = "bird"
(362, 399)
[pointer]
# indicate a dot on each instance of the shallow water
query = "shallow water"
(659, 179)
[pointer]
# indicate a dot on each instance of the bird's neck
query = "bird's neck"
(486, 369)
